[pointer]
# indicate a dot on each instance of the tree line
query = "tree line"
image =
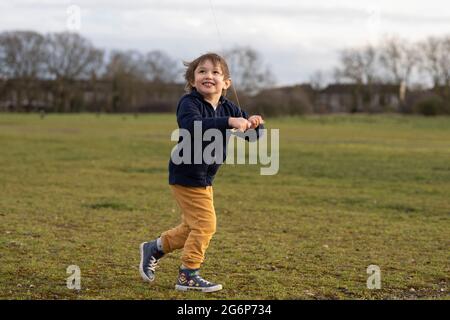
(65, 72)
(421, 67)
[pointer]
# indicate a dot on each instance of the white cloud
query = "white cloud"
(295, 37)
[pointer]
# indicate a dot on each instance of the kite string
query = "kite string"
(223, 50)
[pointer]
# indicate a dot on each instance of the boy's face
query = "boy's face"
(209, 80)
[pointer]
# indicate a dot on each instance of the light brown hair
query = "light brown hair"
(191, 66)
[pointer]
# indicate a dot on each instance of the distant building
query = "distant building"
(358, 98)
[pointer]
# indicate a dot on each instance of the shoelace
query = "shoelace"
(202, 280)
(153, 264)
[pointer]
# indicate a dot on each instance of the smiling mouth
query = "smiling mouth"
(208, 84)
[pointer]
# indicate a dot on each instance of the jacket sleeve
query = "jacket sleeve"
(188, 111)
(246, 135)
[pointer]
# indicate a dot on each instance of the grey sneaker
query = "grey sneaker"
(150, 256)
(191, 280)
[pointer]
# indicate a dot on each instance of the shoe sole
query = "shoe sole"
(141, 268)
(208, 289)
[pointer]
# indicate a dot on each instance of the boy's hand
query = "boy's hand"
(255, 121)
(241, 124)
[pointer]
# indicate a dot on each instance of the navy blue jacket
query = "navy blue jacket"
(193, 107)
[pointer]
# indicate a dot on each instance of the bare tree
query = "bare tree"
(435, 60)
(126, 71)
(138, 78)
(248, 71)
(358, 65)
(70, 57)
(160, 67)
(318, 80)
(445, 61)
(128, 63)
(398, 57)
(22, 59)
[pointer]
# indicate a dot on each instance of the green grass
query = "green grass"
(351, 191)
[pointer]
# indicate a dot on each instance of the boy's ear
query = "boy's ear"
(227, 83)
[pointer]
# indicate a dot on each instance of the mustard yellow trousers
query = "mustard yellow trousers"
(197, 227)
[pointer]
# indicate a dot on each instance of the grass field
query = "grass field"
(351, 191)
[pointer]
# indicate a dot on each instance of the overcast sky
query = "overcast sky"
(294, 38)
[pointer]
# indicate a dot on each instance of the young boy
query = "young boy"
(207, 79)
